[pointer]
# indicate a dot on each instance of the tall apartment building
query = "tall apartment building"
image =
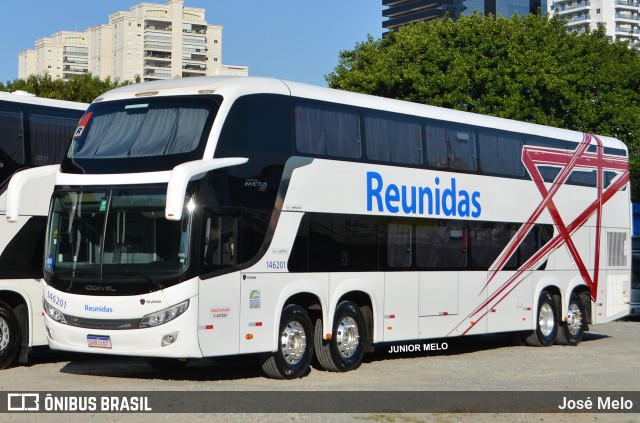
(620, 17)
(402, 12)
(153, 41)
(504, 8)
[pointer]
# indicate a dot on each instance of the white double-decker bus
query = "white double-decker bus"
(34, 136)
(209, 217)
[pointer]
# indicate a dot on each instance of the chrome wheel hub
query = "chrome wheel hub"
(546, 321)
(347, 337)
(574, 322)
(5, 334)
(293, 342)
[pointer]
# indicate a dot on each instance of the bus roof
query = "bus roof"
(237, 86)
(27, 98)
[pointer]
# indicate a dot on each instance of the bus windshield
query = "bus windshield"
(131, 135)
(119, 235)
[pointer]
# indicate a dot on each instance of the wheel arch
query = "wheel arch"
(21, 308)
(583, 292)
(307, 300)
(365, 303)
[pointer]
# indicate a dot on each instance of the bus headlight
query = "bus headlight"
(53, 312)
(163, 316)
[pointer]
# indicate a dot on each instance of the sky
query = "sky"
(297, 40)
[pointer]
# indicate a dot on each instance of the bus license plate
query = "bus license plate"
(96, 341)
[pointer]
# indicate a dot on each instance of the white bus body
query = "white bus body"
(34, 135)
(306, 220)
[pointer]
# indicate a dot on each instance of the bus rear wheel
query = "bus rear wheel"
(572, 331)
(344, 351)
(547, 322)
(10, 336)
(295, 346)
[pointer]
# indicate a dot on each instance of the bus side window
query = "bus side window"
(327, 131)
(451, 147)
(441, 244)
(49, 138)
(399, 245)
(11, 142)
(220, 240)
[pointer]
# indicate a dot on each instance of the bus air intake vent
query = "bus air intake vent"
(112, 324)
(617, 253)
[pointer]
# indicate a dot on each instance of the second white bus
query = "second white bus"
(34, 136)
(210, 217)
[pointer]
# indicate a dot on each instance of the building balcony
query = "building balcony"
(194, 40)
(189, 74)
(157, 26)
(75, 53)
(194, 29)
(76, 60)
(157, 16)
(157, 55)
(194, 58)
(573, 7)
(193, 49)
(194, 68)
(157, 46)
(75, 69)
(162, 39)
(627, 17)
(157, 74)
(157, 64)
(633, 31)
(577, 18)
(627, 4)
(578, 23)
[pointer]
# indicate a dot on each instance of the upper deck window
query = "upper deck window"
(130, 136)
(327, 130)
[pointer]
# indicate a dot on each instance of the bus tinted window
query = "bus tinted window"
(450, 147)
(343, 243)
(441, 244)
(258, 123)
(49, 138)
(327, 131)
(142, 130)
(500, 153)
(11, 143)
(399, 251)
(393, 139)
(486, 242)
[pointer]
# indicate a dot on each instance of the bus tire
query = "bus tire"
(571, 332)
(295, 346)
(344, 351)
(167, 364)
(10, 336)
(546, 322)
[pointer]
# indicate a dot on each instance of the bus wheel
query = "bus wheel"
(295, 346)
(571, 332)
(547, 325)
(10, 336)
(344, 351)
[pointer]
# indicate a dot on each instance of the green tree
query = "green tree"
(84, 88)
(528, 68)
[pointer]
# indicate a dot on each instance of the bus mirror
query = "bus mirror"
(17, 183)
(183, 173)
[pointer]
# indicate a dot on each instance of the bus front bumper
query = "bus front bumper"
(174, 339)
